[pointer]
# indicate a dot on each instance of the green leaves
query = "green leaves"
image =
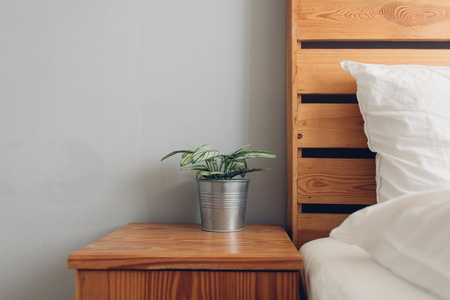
(197, 168)
(230, 165)
(245, 171)
(237, 164)
(186, 158)
(254, 154)
(176, 152)
(211, 175)
(203, 153)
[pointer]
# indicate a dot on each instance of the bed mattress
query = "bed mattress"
(336, 270)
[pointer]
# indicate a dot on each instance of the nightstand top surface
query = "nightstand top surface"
(185, 246)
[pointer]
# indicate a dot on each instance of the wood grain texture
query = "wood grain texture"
(314, 226)
(319, 70)
(399, 20)
(336, 181)
(330, 126)
(192, 285)
(186, 246)
(180, 261)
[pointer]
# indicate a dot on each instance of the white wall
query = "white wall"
(94, 92)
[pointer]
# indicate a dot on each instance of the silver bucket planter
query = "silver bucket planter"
(223, 204)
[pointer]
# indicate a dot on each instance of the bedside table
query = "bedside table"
(181, 261)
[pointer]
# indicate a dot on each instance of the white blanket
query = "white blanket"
(410, 235)
(336, 270)
(385, 251)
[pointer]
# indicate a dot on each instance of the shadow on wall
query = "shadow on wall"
(267, 107)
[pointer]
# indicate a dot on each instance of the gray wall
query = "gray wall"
(94, 92)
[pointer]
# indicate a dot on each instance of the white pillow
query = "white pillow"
(409, 235)
(406, 110)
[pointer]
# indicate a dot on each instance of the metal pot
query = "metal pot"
(223, 204)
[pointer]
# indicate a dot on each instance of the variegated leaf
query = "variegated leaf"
(245, 171)
(176, 152)
(255, 154)
(203, 153)
(197, 168)
(210, 175)
(202, 175)
(238, 150)
(237, 164)
(217, 173)
(213, 163)
(186, 158)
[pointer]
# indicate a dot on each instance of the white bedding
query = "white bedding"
(399, 249)
(337, 270)
(406, 116)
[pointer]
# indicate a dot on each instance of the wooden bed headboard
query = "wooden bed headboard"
(331, 173)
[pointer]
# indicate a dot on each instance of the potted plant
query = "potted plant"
(222, 197)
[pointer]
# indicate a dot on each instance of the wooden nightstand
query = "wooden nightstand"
(180, 261)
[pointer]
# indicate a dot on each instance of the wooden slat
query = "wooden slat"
(336, 181)
(314, 226)
(319, 70)
(399, 20)
(350, 181)
(330, 126)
